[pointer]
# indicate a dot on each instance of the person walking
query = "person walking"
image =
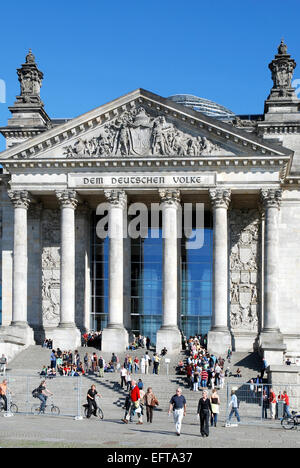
(204, 411)
(150, 402)
(178, 406)
(129, 381)
(272, 399)
(204, 378)
(123, 374)
(265, 405)
(263, 368)
(195, 381)
(156, 361)
(135, 404)
(53, 359)
(143, 365)
(147, 362)
(91, 399)
(101, 365)
(234, 407)
(215, 407)
(286, 400)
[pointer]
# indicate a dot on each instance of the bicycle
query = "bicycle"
(13, 407)
(99, 412)
(289, 423)
(52, 409)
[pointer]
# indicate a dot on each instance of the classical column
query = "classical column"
(169, 334)
(271, 338)
(115, 337)
(66, 334)
(21, 201)
(219, 338)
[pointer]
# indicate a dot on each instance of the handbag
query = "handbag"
(215, 408)
(154, 402)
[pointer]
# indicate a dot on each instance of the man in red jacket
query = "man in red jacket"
(135, 397)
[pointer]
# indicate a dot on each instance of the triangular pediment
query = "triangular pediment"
(142, 125)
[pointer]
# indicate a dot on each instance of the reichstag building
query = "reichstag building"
(60, 278)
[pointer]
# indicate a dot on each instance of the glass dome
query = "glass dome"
(209, 108)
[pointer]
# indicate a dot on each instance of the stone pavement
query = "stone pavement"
(36, 431)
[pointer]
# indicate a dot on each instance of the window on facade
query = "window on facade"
(196, 284)
(99, 279)
(146, 284)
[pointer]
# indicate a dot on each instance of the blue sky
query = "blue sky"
(93, 51)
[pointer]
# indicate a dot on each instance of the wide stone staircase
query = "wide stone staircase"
(70, 392)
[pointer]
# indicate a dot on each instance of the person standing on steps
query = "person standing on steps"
(178, 406)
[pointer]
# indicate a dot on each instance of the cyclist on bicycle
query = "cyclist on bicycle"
(43, 394)
(91, 399)
(3, 393)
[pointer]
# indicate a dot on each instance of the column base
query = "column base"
(218, 341)
(15, 339)
(22, 331)
(244, 341)
(64, 337)
(114, 340)
(169, 338)
(272, 347)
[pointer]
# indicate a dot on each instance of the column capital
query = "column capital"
(117, 198)
(67, 198)
(220, 198)
(170, 196)
(20, 198)
(271, 198)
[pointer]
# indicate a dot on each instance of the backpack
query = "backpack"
(35, 393)
(100, 363)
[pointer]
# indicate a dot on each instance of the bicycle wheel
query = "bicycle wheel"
(55, 411)
(35, 409)
(288, 423)
(13, 408)
(100, 413)
(85, 412)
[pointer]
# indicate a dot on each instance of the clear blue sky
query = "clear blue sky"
(93, 51)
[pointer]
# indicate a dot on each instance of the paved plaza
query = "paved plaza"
(42, 431)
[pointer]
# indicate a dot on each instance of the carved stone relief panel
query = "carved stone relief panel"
(51, 267)
(244, 260)
(137, 133)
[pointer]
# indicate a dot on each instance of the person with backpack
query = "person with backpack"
(42, 393)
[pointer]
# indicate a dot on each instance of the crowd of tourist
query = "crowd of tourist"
(92, 339)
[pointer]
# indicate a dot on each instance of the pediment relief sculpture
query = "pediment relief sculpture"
(136, 133)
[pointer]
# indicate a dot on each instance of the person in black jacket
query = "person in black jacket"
(204, 411)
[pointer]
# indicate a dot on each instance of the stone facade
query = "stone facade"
(148, 148)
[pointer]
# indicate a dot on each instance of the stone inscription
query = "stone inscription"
(137, 180)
